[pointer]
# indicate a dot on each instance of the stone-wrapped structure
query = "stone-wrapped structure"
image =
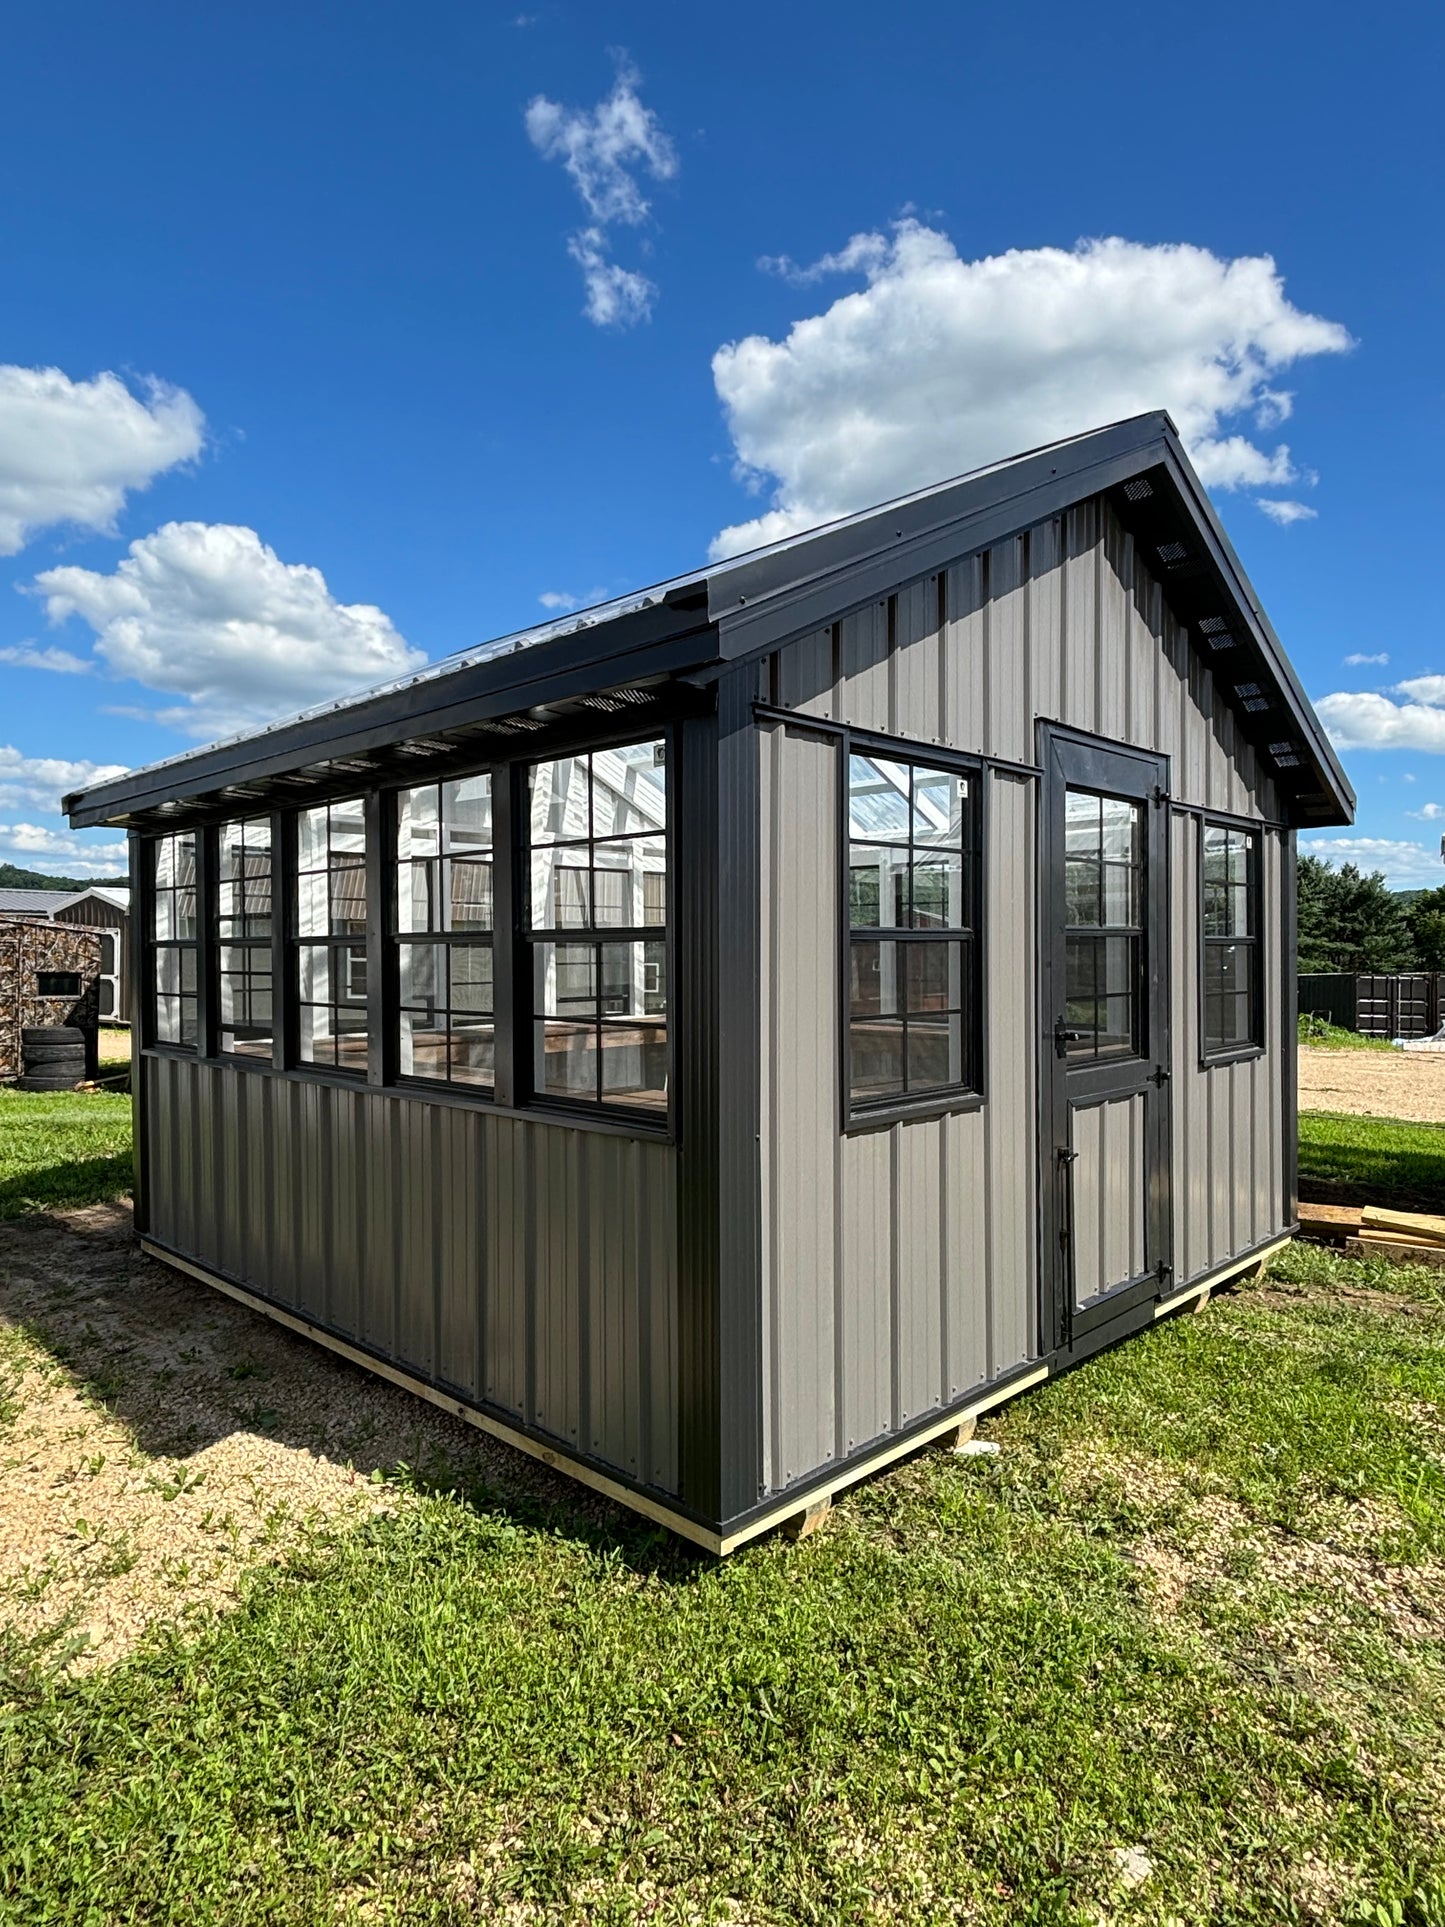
(34, 953)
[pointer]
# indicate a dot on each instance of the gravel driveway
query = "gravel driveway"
(1374, 1083)
(158, 1440)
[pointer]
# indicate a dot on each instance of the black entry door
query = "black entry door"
(1104, 1140)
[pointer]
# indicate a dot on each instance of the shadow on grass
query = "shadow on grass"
(1362, 1160)
(66, 1184)
(182, 1367)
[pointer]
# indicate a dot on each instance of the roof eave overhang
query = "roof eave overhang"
(649, 646)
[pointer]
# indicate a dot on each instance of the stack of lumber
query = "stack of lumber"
(1407, 1237)
(1328, 1224)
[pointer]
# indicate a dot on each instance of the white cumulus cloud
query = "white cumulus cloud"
(938, 365)
(209, 613)
(60, 852)
(1359, 662)
(1406, 865)
(1409, 716)
(1286, 512)
(607, 150)
(1431, 813)
(39, 782)
(71, 451)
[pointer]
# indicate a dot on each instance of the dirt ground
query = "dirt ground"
(114, 1044)
(157, 1439)
(1374, 1083)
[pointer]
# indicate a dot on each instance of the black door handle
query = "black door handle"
(1063, 1037)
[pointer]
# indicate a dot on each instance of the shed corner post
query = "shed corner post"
(138, 923)
(719, 1031)
(1289, 1023)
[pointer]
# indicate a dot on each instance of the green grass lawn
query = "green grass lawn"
(1379, 1156)
(1174, 1655)
(62, 1148)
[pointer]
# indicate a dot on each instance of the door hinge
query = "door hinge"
(1066, 1154)
(1161, 796)
(1163, 1270)
(1161, 1075)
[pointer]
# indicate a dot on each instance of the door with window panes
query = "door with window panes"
(1105, 1175)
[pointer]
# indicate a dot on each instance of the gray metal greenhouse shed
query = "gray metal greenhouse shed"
(724, 1040)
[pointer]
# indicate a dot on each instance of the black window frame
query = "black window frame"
(971, 1092)
(157, 946)
(488, 938)
(648, 1119)
(220, 942)
(1257, 1044)
(334, 944)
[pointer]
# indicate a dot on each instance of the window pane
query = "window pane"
(1119, 824)
(473, 1053)
(311, 839)
(878, 886)
(934, 976)
(618, 870)
(1121, 894)
(1081, 891)
(634, 1064)
(567, 1059)
(935, 1052)
(423, 1045)
(939, 799)
(1083, 836)
(348, 828)
(876, 1058)
(467, 815)
(470, 894)
(417, 905)
(418, 825)
(348, 899)
(876, 979)
(559, 802)
(561, 890)
(629, 789)
(471, 980)
(422, 976)
(938, 895)
(878, 799)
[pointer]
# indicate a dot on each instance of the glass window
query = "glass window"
(1232, 1007)
(444, 932)
(597, 920)
(331, 917)
(1103, 927)
(243, 937)
(174, 935)
(912, 952)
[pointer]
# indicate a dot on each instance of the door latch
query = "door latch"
(1063, 1037)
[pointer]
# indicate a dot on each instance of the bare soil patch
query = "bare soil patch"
(162, 1440)
(1374, 1083)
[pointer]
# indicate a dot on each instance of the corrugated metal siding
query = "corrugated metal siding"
(1064, 622)
(519, 1265)
(892, 1258)
(1229, 1119)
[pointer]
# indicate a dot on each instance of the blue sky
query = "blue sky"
(369, 327)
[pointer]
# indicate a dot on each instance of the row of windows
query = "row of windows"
(594, 867)
(595, 926)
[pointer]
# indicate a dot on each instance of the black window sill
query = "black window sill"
(943, 1105)
(1245, 1054)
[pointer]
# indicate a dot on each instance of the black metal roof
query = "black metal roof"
(623, 654)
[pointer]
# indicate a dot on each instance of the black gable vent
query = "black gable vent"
(1171, 554)
(1212, 626)
(1252, 696)
(1285, 755)
(1138, 490)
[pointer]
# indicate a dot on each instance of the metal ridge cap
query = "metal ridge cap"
(1105, 445)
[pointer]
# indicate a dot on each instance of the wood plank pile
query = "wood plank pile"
(1370, 1231)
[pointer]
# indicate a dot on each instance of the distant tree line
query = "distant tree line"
(1352, 921)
